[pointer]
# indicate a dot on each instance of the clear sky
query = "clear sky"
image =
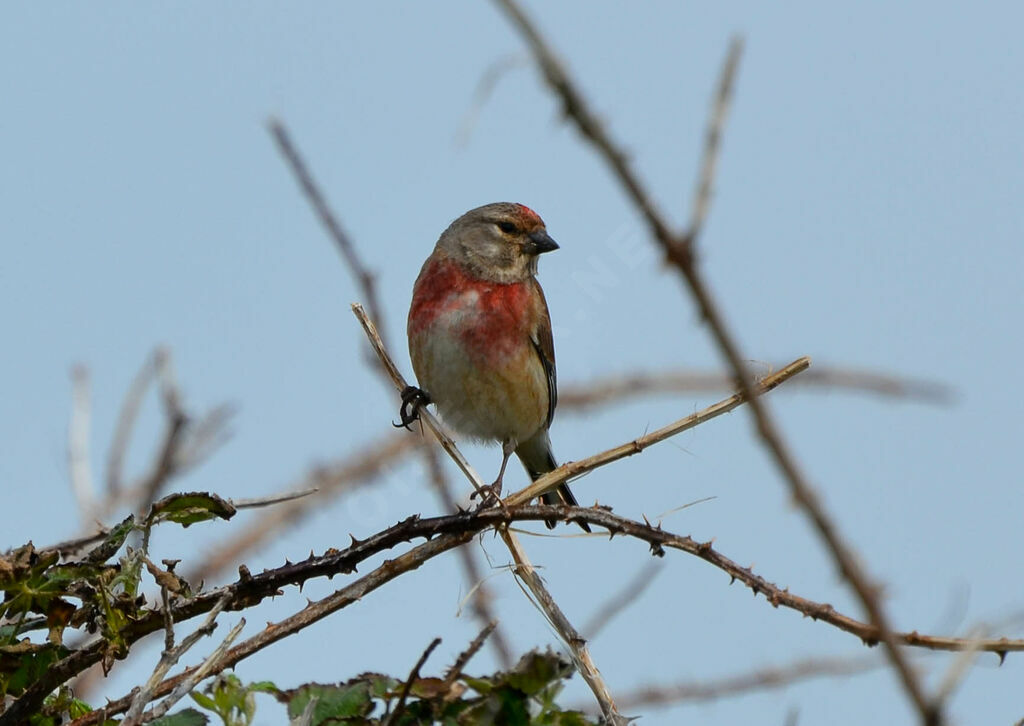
(868, 213)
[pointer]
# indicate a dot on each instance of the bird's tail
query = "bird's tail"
(538, 459)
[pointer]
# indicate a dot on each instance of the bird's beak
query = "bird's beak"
(539, 243)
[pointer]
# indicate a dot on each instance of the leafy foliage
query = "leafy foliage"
(100, 592)
(94, 592)
(523, 696)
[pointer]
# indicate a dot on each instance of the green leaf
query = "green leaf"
(203, 700)
(189, 508)
(480, 685)
(562, 718)
(536, 671)
(188, 717)
(113, 541)
(351, 700)
(25, 663)
(380, 684)
(263, 687)
(78, 708)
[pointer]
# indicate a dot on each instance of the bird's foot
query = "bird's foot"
(413, 399)
(489, 495)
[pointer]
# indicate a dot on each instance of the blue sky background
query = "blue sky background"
(867, 213)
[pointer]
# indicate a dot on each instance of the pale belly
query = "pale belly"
(498, 394)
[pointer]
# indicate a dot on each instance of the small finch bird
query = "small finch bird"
(480, 337)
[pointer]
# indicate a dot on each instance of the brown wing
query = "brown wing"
(544, 344)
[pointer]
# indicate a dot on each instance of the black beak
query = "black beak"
(539, 243)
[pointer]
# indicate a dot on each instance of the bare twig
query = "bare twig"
(207, 668)
(170, 657)
(481, 598)
(168, 620)
(570, 636)
(407, 686)
(608, 389)
(432, 425)
(572, 469)
(456, 670)
(77, 544)
(257, 502)
(679, 251)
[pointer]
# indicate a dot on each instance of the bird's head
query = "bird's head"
(498, 242)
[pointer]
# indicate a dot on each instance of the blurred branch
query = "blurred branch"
(484, 88)
(613, 388)
(621, 600)
(79, 466)
(455, 671)
(761, 679)
(713, 141)
(679, 252)
(407, 686)
(126, 423)
(573, 469)
(366, 280)
(186, 442)
(259, 502)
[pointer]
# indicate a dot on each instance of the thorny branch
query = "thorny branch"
(377, 456)
(679, 252)
(442, 534)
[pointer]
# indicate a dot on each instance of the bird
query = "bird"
(480, 339)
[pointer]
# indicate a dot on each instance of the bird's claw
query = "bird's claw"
(413, 399)
(490, 494)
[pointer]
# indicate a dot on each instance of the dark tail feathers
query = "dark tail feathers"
(561, 495)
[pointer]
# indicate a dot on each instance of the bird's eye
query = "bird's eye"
(507, 227)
